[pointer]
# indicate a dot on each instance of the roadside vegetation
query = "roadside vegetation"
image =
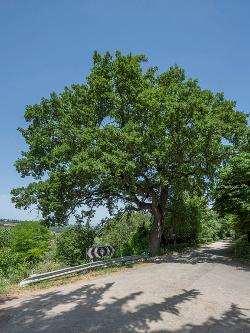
(232, 198)
(32, 247)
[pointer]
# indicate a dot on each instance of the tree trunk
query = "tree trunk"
(156, 232)
(248, 236)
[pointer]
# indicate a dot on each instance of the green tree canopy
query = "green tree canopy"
(233, 192)
(125, 136)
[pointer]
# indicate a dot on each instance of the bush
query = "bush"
(10, 267)
(5, 237)
(30, 240)
(242, 248)
(140, 239)
(11, 270)
(8, 259)
(72, 242)
(128, 233)
(49, 261)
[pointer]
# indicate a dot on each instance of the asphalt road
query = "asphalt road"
(204, 291)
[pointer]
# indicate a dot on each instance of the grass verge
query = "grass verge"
(13, 289)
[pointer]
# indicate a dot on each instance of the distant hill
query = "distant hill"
(9, 222)
(13, 223)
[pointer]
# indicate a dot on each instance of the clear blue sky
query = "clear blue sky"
(46, 45)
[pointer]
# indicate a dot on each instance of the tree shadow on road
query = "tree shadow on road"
(206, 255)
(231, 321)
(84, 310)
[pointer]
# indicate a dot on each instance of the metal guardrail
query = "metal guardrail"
(81, 268)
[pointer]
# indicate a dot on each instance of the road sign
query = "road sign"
(100, 251)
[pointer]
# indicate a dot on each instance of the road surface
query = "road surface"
(204, 292)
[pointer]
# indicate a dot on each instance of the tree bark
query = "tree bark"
(156, 232)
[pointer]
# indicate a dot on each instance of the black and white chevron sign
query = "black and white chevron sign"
(100, 251)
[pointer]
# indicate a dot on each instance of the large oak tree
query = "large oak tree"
(128, 137)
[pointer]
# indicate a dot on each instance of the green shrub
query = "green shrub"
(140, 239)
(8, 259)
(30, 240)
(242, 248)
(4, 285)
(10, 267)
(11, 270)
(128, 233)
(72, 242)
(5, 237)
(49, 261)
(21, 247)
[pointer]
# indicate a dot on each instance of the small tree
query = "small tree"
(232, 194)
(128, 233)
(30, 240)
(72, 242)
(125, 136)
